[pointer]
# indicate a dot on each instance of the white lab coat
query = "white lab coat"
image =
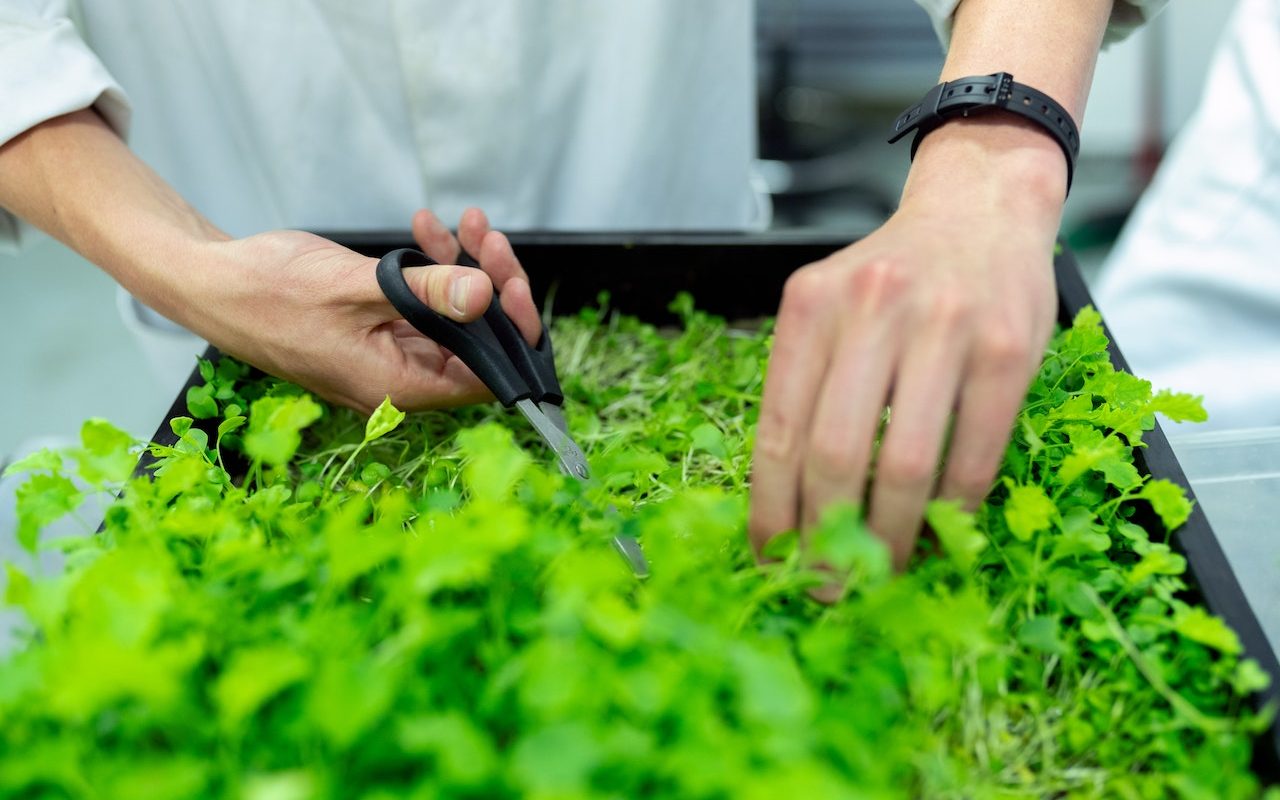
(1126, 15)
(1192, 289)
(333, 115)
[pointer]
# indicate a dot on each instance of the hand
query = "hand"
(309, 310)
(946, 308)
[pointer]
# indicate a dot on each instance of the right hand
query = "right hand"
(310, 311)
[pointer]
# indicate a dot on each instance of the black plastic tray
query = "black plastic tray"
(740, 276)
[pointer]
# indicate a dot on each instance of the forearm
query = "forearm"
(1052, 47)
(75, 179)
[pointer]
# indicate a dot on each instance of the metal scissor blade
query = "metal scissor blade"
(572, 461)
(629, 548)
(555, 414)
(548, 421)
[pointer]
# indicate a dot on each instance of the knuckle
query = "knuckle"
(906, 466)
(878, 282)
(951, 310)
(831, 457)
(803, 290)
(970, 483)
(775, 438)
(1004, 346)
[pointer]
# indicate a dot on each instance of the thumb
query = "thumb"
(460, 293)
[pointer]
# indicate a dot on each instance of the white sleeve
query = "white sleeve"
(47, 70)
(1126, 15)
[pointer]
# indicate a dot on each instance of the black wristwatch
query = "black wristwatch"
(981, 93)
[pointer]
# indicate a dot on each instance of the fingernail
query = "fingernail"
(458, 293)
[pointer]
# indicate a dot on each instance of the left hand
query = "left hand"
(944, 311)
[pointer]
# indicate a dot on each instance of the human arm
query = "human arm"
(293, 304)
(941, 314)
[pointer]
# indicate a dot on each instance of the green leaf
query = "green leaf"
(1168, 500)
(43, 499)
(229, 425)
(200, 402)
(1029, 435)
(194, 443)
(45, 460)
(556, 760)
(254, 676)
(17, 591)
(1118, 388)
(464, 755)
(373, 472)
(1158, 560)
(1179, 406)
(1042, 634)
(384, 420)
(708, 438)
(956, 531)
(842, 541)
(1200, 626)
(347, 697)
(494, 462)
(1028, 510)
(180, 425)
(1250, 677)
(106, 453)
(781, 546)
(1135, 534)
(299, 784)
(1082, 534)
(1090, 450)
(275, 426)
(167, 776)
(771, 691)
(628, 466)
(353, 549)
(1085, 335)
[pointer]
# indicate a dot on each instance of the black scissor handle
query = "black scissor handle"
(537, 365)
(491, 345)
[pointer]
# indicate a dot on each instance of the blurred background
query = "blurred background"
(832, 75)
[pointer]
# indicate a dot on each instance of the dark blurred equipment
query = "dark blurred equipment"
(832, 75)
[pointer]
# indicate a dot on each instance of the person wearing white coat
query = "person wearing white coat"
(564, 113)
(1192, 289)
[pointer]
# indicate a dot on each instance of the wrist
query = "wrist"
(998, 160)
(164, 268)
(74, 178)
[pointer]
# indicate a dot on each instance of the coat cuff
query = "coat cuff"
(1126, 16)
(46, 70)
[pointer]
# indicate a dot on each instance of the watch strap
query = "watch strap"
(984, 93)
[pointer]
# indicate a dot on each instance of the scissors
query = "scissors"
(518, 375)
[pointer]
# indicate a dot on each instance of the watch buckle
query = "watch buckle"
(1003, 87)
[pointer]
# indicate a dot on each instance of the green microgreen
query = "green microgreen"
(300, 602)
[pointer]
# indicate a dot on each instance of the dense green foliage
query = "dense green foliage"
(308, 604)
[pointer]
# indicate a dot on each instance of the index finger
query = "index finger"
(491, 249)
(435, 239)
(796, 368)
